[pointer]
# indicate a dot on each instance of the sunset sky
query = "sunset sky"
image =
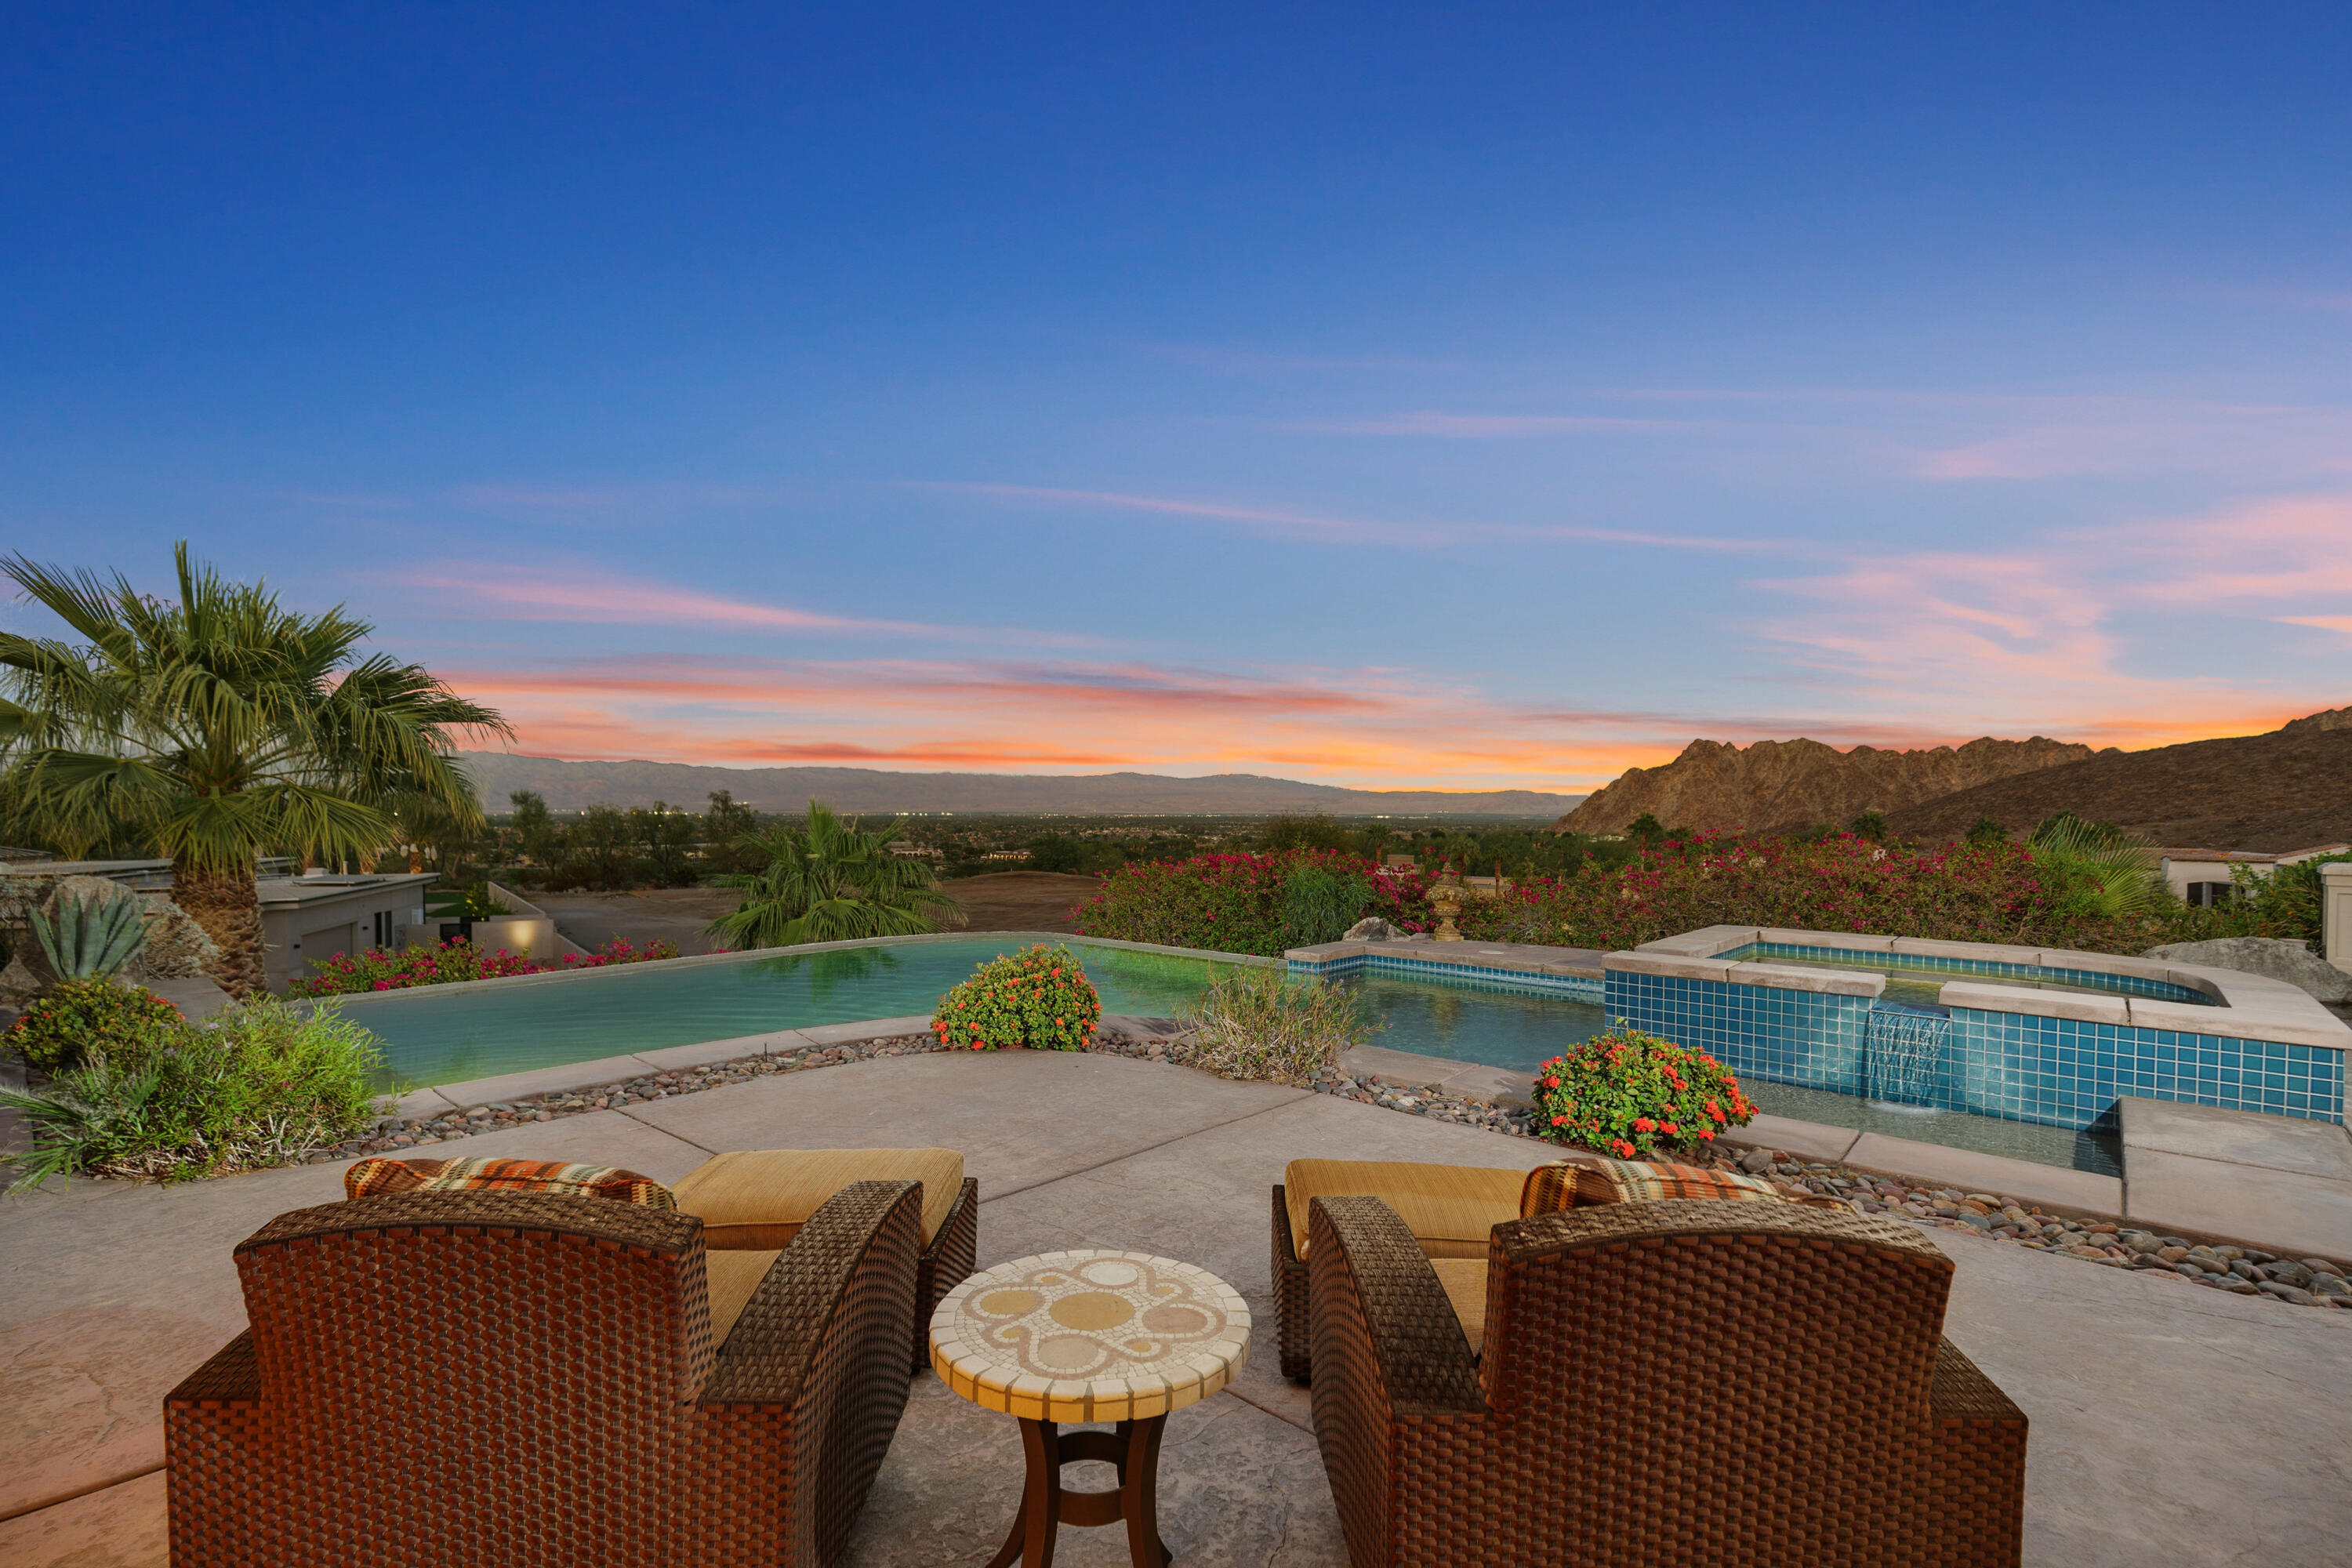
(1490, 398)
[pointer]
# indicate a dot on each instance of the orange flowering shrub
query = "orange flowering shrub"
(1039, 996)
(1630, 1094)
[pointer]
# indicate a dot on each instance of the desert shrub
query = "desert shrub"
(260, 1084)
(77, 1019)
(380, 969)
(1634, 1094)
(1039, 996)
(1258, 1023)
(1318, 904)
(1236, 903)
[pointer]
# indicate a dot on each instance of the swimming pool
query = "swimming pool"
(1918, 980)
(447, 1034)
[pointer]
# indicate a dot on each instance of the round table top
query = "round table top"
(1090, 1336)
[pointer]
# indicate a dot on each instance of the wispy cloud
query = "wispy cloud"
(1262, 365)
(1937, 435)
(658, 496)
(1312, 526)
(587, 597)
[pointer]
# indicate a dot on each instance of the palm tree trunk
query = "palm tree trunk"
(227, 905)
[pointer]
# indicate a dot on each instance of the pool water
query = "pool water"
(2099, 1150)
(439, 1035)
(1918, 982)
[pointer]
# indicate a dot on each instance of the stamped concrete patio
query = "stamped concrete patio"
(2170, 1425)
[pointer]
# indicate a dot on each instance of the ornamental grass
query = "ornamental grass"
(1258, 1023)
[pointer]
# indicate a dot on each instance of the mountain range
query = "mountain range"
(568, 785)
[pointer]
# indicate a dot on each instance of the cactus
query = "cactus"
(90, 939)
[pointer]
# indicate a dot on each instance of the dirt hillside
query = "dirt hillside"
(2288, 790)
(1791, 783)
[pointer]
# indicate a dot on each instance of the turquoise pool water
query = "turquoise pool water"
(1918, 981)
(444, 1036)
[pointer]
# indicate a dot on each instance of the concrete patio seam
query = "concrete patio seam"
(90, 1491)
(665, 1131)
(1134, 1153)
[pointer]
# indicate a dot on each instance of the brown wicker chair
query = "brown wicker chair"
(756, 1198)
(1661, 1383)
(500, 1378)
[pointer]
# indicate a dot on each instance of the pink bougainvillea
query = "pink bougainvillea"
(380, 969)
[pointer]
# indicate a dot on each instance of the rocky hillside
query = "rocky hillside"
(2287, 790)
(1791, 783)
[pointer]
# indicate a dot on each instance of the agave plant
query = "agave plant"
(91, 937)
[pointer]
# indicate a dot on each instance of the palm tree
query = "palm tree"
(2102, 871)
(219, 726)
(831, 882)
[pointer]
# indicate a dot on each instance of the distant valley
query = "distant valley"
(568, 785)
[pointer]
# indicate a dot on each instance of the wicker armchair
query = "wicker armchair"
(755, 1199)
(499, 1378)
(1661, 1383)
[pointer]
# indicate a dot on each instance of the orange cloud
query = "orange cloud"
(1358, 727)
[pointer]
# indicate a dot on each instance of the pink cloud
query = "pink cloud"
(2046, 635)
(599, 597)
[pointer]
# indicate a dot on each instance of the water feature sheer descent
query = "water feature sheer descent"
(1903, 1053)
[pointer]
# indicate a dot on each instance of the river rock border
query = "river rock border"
(2105, 1241)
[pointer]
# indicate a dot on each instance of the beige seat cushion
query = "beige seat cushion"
(1448, 1208)
(758, 1199)
(1465, 1280)
(733, 1276)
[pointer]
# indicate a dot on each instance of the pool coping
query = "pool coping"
(468, 1094)
(2244, 1005)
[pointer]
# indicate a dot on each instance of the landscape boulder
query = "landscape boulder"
(2276, 957)
(1371, 928)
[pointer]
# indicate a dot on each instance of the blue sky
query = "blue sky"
(1383, 397)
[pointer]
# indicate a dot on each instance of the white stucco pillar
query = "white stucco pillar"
(2335, 905)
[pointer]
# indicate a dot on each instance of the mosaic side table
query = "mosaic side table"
(1090, 1336)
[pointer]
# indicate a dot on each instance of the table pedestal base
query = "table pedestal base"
(1134, 1447)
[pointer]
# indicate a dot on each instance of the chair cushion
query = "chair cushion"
(1465, 1280)
(1580, 1184)
(759, 1198)
(1448, 1208)
(732, 1277)
(368, 1178)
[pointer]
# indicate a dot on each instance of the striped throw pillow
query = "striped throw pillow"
(1580, 1184)
(370, 1178)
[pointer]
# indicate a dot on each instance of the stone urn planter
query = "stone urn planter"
(1445, 896)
